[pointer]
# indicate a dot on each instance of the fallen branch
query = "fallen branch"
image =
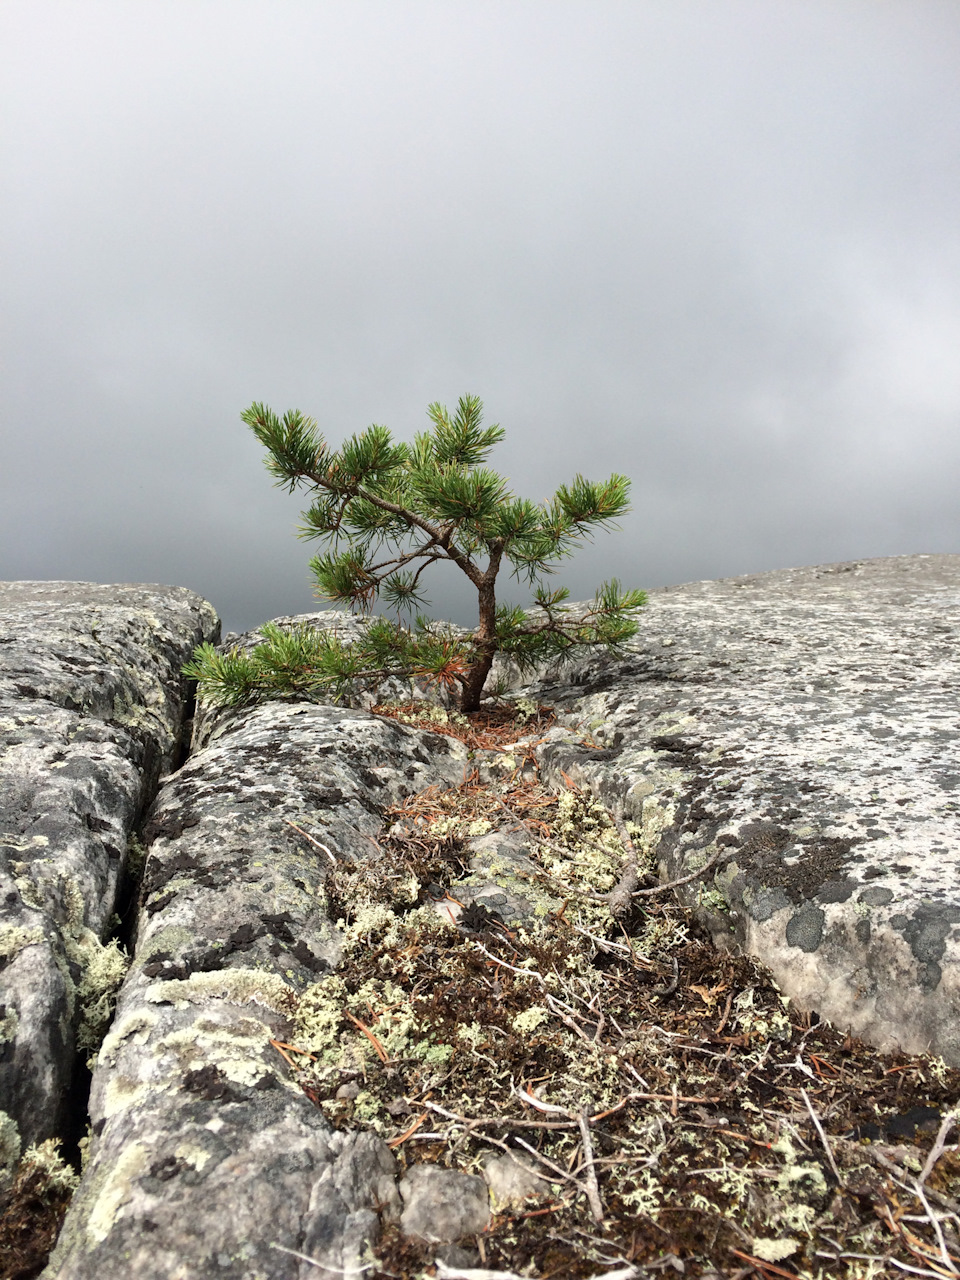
(936, 1151)
(307, 836)
(619, 899)
(590, 1173)
(675, 884)
(823, 1137)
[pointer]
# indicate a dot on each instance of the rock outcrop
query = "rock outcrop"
(204, 1148)
(784, 744)
(802, 728)
(92, 708)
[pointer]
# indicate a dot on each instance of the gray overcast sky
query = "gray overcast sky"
(712, 245)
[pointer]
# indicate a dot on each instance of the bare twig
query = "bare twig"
(531, 1101)
(675, 884)
(504, 1122)
(945, 1257)
(936, 1151)
(563, 1174)
(445, 1272)
(590, 1173)
(315, 1262)
(407, 1133)
(875, 1257)
(307, 836)
(620, 896)
(823, 1137)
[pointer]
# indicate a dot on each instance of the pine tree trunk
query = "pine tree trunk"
(472, 690)
(486, 640)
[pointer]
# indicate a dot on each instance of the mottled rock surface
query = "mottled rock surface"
(92, 705)
(442, 1206)
(801, 726)
(207, 1159)
(804, 725)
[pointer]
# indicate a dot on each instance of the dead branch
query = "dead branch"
(590, 1174)
(936, 1151)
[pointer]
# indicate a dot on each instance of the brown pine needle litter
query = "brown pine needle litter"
(684, 1117)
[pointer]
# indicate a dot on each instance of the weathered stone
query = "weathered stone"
(92, 705)
(442, 1206)
(205, 1154)
(803, 725)
(512, 1179)
(503, 883)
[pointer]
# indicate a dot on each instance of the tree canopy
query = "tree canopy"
(387, 510)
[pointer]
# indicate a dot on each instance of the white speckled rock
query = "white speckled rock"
(205, 1154)
(806, 723)
(92, 705)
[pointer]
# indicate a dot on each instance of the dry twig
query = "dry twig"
(823, 1137)
(590, 1173)
(939, 1143)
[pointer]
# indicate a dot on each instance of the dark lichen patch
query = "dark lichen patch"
(170, 825)
(926, 932)
(805, 928)
(211, 1084)
(803, 867)
(837, 890)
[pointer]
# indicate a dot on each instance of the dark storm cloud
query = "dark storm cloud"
(714, 247)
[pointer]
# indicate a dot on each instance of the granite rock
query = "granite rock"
(803, 727)
(92, 710)
(207, 1158)
(442, 1206)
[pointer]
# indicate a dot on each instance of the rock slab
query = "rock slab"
(206, 1157)
(802, 727)
(92, 708)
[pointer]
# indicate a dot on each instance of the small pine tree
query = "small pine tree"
(398, 508)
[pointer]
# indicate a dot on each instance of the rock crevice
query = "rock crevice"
(92, 708)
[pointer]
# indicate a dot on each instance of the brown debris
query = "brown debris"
(726, 1132)
(32, 1210)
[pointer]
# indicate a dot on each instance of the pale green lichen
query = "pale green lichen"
(122, 1093)
(97, 990)
(9, 1146)
(756, 1025)
(115, 1191)
(193, 1154)
(239, 986)
(136, 857)
(168, 939)
(774, 1250)
(531, 1018)
(21, 846)
(440, 716)
(9, 1023)
(31, 893)
(14, 938)
(136, 1026)
(235, 1048)
(56, 1174)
